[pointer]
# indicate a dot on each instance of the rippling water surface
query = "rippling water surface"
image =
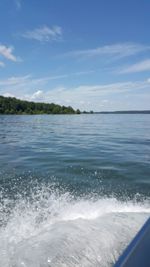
(74, 190)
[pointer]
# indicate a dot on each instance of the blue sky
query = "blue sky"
(90, 54)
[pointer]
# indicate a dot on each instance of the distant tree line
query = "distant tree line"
(11, 105)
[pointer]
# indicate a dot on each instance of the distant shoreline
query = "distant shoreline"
(144, 112)
(124, 112)
(14, 106)
(118, 112)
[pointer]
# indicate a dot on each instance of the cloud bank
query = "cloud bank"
(86, 97)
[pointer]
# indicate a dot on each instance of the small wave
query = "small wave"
(49, 228)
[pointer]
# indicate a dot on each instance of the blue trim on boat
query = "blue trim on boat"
(137, 254)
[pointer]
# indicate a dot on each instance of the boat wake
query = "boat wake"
(50, 229)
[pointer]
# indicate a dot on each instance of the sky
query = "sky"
(88, 54)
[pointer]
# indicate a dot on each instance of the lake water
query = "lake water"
(74, 189)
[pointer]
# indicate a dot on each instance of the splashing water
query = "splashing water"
(50, 229)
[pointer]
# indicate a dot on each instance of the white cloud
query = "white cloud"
(44, 34)
(138, 67)
(117, 50)
(14, 81)
(2, 64)
(37, 95)
(7, 52)
(28, 80)
(63, 76)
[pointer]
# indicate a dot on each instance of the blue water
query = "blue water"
(74, 189)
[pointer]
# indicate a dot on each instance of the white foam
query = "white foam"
(58, 230)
